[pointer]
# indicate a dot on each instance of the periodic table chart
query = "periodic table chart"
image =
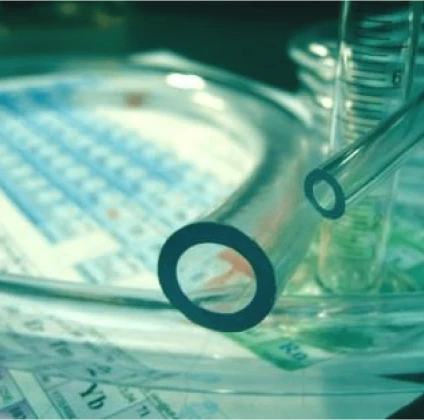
(95, 193)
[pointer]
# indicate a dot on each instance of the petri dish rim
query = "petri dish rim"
(287, 104)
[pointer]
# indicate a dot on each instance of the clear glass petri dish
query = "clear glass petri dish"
(80, 299)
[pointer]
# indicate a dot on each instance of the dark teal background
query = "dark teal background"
(249, 38)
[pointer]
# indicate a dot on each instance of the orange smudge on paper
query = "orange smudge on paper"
(134, 100)
(237, 261)
(113, 214)
(238, 265)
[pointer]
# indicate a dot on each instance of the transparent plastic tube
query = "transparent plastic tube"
(355, 170)
(348, 176)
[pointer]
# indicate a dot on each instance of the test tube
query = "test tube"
(374, 73)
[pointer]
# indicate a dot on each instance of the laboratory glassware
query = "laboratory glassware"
(374, 75)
